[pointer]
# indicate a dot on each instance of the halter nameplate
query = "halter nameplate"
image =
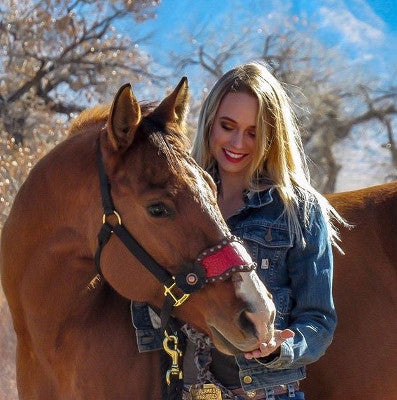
(224, 259)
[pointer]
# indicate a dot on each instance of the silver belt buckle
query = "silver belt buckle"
(207, 391)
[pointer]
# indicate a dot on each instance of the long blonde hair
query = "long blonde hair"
(279, 152)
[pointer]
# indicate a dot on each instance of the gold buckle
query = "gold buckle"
(207, 391)
(177, 302)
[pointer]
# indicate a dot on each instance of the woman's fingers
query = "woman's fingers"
(286, 334)
(268, 348)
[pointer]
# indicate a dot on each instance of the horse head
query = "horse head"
(168, 203)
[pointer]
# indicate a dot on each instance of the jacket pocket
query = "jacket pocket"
(268, 246)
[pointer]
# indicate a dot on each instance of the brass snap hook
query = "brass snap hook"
(174, 353)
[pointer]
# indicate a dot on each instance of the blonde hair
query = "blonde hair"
(279, 156)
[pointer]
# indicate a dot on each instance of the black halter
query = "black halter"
(190, 279)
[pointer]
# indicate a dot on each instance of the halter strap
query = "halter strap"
(181, 281)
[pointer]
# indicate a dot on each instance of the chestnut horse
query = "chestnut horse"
(74, 334)
(361, 362)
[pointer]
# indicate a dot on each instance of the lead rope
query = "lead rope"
(203, 359)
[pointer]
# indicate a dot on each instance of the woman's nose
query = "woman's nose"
(237, 139)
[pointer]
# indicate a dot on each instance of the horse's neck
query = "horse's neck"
(57, 215)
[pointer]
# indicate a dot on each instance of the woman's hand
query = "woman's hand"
(265, 349)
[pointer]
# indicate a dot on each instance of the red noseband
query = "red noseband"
(224, 259)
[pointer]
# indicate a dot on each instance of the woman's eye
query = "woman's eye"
(160, 210)
(226, 127)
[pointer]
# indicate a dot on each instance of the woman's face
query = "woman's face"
(232, 137)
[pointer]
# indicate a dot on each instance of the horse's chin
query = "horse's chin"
(223, 344)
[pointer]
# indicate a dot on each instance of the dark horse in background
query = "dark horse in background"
(361, 362)
(74, 334)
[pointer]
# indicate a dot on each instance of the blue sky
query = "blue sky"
(387, 10)
(366, 30)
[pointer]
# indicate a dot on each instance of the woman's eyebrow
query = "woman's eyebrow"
(227, 118)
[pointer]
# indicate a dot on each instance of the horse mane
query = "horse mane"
(98, 115)
(90, 118)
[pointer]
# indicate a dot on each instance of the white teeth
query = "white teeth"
(233, 155)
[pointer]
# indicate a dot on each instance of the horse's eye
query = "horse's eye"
(160, 210)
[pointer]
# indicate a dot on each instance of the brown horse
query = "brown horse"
(74, 334)
(361, 362)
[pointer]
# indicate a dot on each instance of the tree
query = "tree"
(60, 56)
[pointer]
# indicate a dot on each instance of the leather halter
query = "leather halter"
(216, 263)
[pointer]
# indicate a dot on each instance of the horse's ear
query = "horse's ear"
(175, 106)
(124, 117)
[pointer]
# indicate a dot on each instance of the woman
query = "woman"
(248, 141)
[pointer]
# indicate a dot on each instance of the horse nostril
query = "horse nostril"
(246, 324)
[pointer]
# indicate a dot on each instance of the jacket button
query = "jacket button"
(251, 393)
(247, 379)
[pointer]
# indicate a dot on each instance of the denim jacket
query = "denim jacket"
(300, 280)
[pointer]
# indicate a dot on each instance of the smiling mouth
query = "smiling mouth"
(233, 157)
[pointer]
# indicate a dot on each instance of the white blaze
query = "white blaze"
(251, 289)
